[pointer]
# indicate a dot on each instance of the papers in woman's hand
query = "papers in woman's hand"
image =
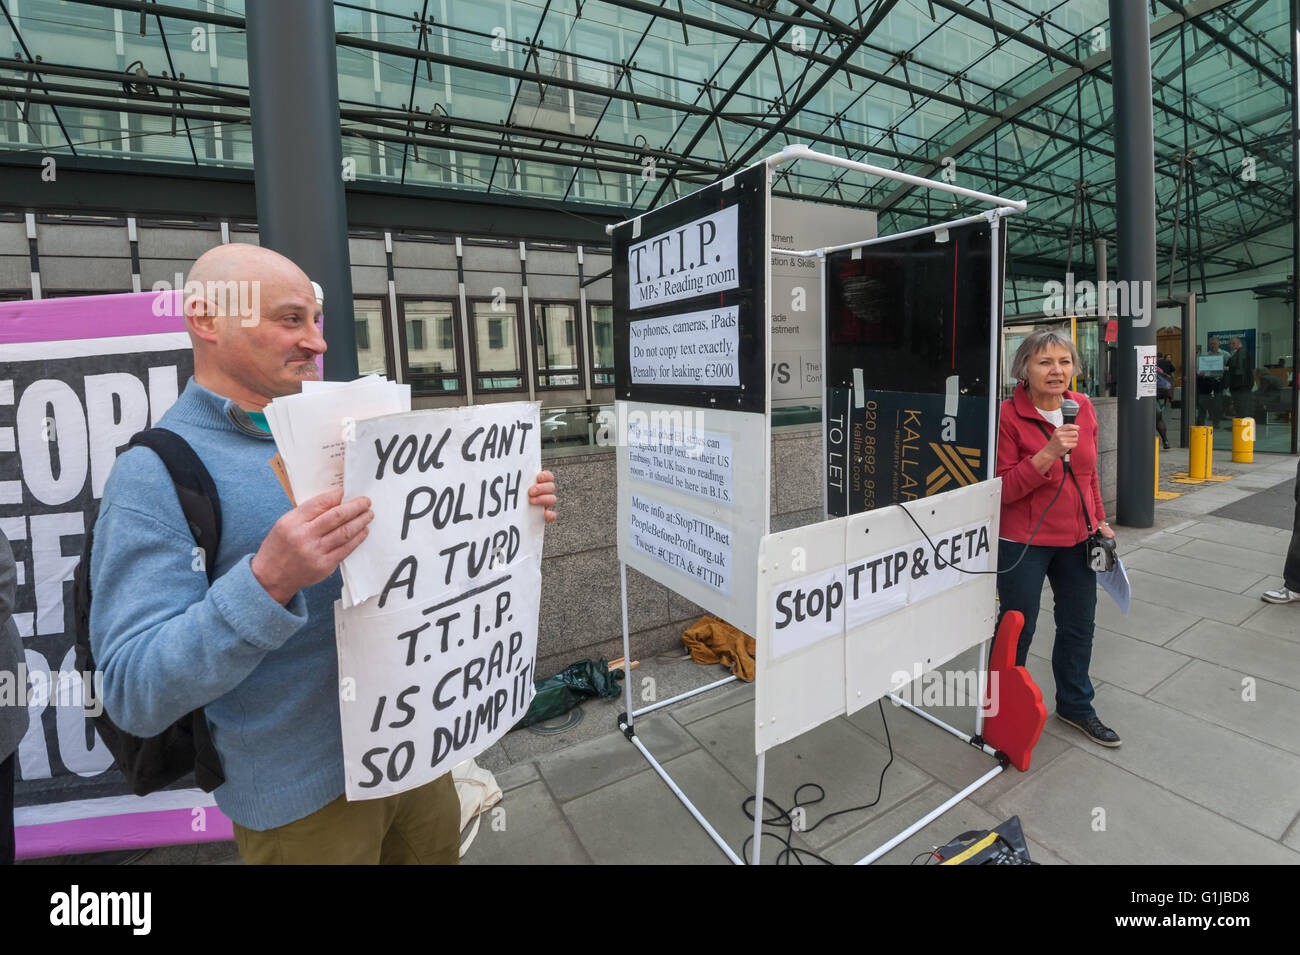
(1115, 582)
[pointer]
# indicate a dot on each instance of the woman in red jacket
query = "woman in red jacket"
(1040, 499)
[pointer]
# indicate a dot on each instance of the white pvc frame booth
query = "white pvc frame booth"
(1001, 208)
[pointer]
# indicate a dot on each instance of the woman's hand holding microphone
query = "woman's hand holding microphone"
(1064, 440)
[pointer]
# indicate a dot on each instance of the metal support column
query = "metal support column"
(298, 157)
(1187, 302)
(1135, 226)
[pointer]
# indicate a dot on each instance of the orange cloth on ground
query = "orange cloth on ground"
(711, 640)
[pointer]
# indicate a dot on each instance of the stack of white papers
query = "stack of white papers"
(311, 431)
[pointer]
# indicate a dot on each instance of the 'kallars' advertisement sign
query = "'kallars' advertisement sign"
(907, 389)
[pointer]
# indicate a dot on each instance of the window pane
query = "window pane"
(602, 333)
(555, 342)
(496, 346)
(431, 342)
(372, 355)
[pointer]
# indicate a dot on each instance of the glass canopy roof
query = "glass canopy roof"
(621, 105)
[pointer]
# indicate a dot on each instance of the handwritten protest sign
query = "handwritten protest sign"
(436, 661)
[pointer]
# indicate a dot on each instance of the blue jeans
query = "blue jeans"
(1074, 591)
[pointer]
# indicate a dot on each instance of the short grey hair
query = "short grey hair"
(1036, 342)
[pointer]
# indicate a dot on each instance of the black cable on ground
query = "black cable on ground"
(784, 819)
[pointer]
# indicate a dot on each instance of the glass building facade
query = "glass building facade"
(600, 108)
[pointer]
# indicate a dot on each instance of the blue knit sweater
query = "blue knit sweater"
(168, 643)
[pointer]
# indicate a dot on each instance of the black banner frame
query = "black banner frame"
(747, 191)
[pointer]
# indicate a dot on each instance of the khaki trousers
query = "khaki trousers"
(418, 827)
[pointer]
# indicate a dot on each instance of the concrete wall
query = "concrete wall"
(1107, 441)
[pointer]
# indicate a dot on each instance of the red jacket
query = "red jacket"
(1026, 492)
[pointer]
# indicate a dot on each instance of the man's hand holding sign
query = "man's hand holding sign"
(436, 657)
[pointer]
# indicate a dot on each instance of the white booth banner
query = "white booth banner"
(693, 503)
(847, 604)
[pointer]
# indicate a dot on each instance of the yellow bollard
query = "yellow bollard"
(1162, 495)
(1200, 453)
(1243, 440)
(1200, 459)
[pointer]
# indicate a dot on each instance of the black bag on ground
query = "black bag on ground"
(1004, 844)
(153, 763)
(558, 694)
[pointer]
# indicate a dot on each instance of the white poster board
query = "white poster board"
(693, 502)
(438, 665)
(849, 605)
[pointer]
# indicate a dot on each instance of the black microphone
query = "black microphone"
(1069, 411)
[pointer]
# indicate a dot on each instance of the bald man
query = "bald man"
(256, 647)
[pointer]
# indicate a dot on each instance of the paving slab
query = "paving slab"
(1274, 507)
(597, 719)
(1280, 620)
(1265, 540)
(1162, 540)
(930, 748)
(714, 701)
(946, 758)
(1193, 570)
(1144, 824)
(1146, 621)
(846, 762)
(1206, 501)
(1292, 838)
(639, 821)
(531, 830)
(1250, 782)
(1228, 552)
(1215, 693)
(519, 774)
(656, 680)
(1195, 599)
(963, 817)
(1130, 663)
(1256, 654)
(578, 770)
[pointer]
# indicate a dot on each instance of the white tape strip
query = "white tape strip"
(859, 391)
(950, 397)
(636, 228)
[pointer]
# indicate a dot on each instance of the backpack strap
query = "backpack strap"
(197, 493)
(195, 488)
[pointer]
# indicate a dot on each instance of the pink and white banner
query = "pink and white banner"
(78, 377)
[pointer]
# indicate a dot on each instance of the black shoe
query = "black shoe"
(1094, 729)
